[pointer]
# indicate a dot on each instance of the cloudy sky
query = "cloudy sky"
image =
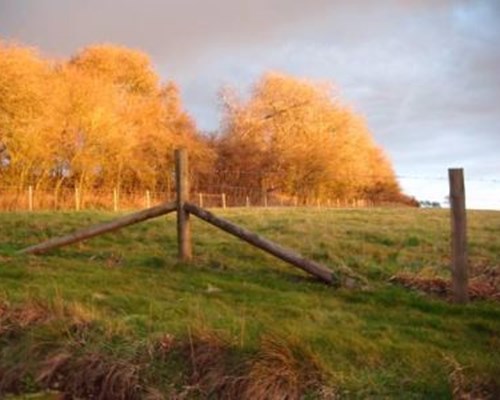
(424, 73)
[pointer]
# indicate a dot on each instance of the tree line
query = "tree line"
(103, 119)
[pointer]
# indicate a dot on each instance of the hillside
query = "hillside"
(119, 315)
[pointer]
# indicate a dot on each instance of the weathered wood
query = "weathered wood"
(87, 233)
(182, 189)
(458, 236)
(289, 256)
(200, 199)
(223, 198)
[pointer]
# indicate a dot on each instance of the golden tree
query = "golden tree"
(130, 69)
(27, 115)
(99, 121)
(301, 141)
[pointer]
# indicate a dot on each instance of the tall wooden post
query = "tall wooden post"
(223, 198)
(458, 236)
(182, 190)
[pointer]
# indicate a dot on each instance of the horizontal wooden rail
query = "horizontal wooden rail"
(289, 256)
(87, 233)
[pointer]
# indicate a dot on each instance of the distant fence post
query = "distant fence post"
(247, 201)
(77, 199)
(458, 236)
(200, 199)
(30, 198)
(115, 199)
(223, 198)
(182, 189)
(148, 199)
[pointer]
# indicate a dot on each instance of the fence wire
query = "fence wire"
(484, 192)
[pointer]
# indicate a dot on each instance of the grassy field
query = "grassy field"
(120, 317)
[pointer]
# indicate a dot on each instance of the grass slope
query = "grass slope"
(131, 294)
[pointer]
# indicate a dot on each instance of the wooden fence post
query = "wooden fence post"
(182, 189)
(148, 199)
(200, 199)
(223, 197)
(30, 198)
(115, 199)
(458, 236)
(247, 201)
(77, 199)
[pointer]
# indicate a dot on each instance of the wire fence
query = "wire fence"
(30, 199)
(434, 190)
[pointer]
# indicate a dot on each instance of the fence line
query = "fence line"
(30, 199)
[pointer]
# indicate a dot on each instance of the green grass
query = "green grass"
(384, 341)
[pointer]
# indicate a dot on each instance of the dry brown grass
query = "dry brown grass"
(466, 388)
(211, 372)
(91, 376)
(69, 370)
(15, 319)
(483, 285)
(282, 370)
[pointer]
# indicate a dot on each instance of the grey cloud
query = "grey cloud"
(175, 32)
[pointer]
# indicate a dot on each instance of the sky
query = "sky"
(425, 74)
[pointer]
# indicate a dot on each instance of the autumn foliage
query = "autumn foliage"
(293, 137)
(103, 120)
